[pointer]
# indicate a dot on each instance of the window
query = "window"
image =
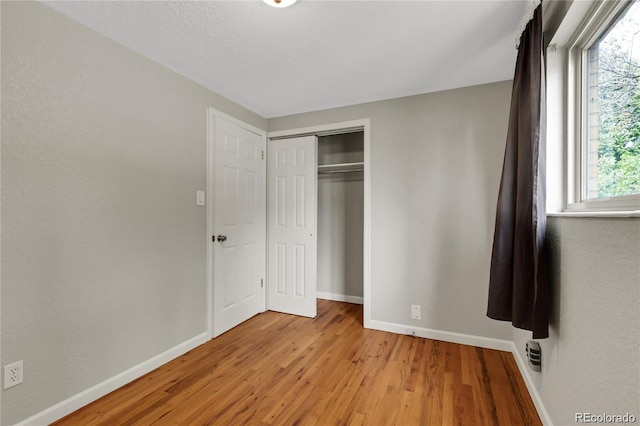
(606, 63)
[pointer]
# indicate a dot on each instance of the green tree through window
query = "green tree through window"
(614, 109)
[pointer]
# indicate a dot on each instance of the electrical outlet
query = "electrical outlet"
(416, 312)
(12, 374)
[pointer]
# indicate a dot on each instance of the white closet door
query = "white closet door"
(292, 224)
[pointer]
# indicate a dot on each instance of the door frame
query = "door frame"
(212, 114)
(332, 129)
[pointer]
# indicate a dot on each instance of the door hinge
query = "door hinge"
(261, 282)
(263, 155)
(213, 238)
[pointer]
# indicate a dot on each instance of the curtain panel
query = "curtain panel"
(519, 284)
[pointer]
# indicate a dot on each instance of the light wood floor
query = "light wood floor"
(285, 370)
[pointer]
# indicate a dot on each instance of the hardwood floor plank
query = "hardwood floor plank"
(278, 369)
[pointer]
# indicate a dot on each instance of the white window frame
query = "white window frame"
(596, 22)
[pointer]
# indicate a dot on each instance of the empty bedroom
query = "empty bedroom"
(376, 212)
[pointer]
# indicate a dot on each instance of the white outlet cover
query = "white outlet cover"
(416, 312)
(13, 374)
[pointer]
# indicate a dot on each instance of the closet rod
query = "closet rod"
(322, 172)
(336, 166)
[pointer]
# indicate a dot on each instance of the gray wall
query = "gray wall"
(435, 166)
(591, 360)
(0, 210)
(103, 247)
(340, 217)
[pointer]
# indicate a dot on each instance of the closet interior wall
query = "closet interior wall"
(340, 219)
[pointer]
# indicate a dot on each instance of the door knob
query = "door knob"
(222, 238)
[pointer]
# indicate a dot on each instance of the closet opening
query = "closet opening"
(338, 208)
(340, 217)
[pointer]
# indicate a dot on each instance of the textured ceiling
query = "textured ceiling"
(315, 54)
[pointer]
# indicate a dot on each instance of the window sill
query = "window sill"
(626, 214)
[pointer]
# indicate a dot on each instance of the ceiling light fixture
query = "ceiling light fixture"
(279, 3)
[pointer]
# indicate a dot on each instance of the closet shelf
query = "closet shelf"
(341, 167)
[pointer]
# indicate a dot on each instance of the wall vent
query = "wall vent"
(534, 355)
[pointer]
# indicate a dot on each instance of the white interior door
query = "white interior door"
(239, 225)
(292, 225)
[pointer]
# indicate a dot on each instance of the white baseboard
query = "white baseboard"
(531, 387)
(87, 396)
(340, 297)
(446, 336)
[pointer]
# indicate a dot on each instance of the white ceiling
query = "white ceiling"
(315, 54)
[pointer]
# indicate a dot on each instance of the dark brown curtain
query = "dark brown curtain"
(518, 285)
